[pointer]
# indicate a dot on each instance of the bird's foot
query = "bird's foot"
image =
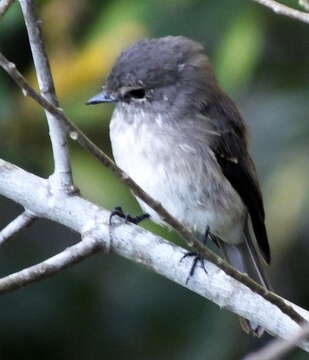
(197, 258)
(117, 211)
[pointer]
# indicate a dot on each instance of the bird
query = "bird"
(181, 138)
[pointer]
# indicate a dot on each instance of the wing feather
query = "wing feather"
(230, 149)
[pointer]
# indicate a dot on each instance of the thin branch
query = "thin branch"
(277, 348)
(22, 221)
(61, 180)
(4, 6)
(281, 9)
(70, 256)
(136, 244)
(77, 135)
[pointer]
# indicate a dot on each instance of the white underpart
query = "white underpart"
(163, 171)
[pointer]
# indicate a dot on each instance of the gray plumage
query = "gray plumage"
(182, 139)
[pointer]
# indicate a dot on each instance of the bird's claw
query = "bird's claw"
(117, 211)
(197, 258)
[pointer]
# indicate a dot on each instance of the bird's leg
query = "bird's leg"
(117, 211)
(206, 235)
(196, 256)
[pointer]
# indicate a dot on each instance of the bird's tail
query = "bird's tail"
(245, 258)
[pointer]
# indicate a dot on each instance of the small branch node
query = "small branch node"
(74, 135)
(11, 66)
(124, 176)
(93, 230)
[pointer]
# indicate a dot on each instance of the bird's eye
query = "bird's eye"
(138, 93)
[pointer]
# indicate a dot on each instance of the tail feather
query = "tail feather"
(256, 261)
(245, 258)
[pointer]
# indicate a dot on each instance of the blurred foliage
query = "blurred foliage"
(107, 306)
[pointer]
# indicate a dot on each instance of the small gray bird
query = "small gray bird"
(183, 140)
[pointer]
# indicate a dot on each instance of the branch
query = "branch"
(277, 348)
(61, 180)
(70, 256)
(4, 6)
(136, 244)
(77, 135)
(285, 10)
(245, 291)
(22, 221)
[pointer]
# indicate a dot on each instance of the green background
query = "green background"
(107, 307)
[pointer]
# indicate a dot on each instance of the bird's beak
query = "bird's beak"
(102, 97)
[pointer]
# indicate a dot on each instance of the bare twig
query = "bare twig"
(23, 220)
(4, 6)
(281, 9)
(51, 266)
(277, 348)
(61, 180)
(136, 244)
(77, 135)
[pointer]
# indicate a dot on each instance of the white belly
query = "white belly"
(181, 185)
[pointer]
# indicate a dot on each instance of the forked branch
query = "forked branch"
(82, 139)
(136, 244)
(61, 180)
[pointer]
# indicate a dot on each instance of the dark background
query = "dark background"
(107, 307)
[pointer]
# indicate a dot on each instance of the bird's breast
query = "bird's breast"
(183, 178)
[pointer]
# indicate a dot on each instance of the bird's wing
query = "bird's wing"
(230, 149)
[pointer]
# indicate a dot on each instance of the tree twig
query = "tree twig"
(68, 257)
(61, 180)
(277, 348)
(22, 221)
(4, 6)
(82, 139)
(282, 9)
(136, 244)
